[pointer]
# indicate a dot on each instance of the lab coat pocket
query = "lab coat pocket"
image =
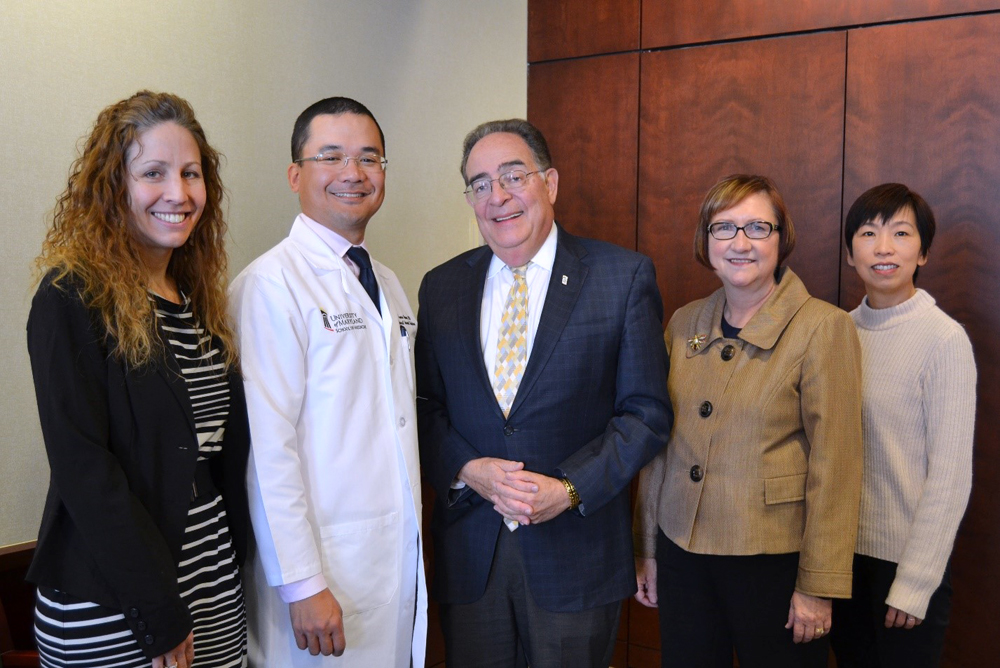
(361, 561)
(404, 354)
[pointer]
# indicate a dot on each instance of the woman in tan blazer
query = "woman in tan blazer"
(745, 523)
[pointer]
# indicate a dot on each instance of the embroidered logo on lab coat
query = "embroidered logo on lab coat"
(342, 322)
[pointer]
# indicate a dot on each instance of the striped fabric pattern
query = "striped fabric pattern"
(202, 368)
(74, 633)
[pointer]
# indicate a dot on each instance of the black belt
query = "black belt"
(202, 484)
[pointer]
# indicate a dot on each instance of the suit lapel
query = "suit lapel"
(565, 284)
(469, 313)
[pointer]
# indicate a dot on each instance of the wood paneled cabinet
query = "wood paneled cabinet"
(843, 104)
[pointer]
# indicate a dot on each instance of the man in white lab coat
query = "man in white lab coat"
(326, 340)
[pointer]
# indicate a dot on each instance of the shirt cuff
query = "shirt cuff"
(302, 589)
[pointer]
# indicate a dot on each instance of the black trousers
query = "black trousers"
(711, 605)
(506, 629)
(860, 639)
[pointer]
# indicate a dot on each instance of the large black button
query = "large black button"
(508, 430)
(728, 353)
(705, 409)
(141, 625)
(696, 473)
(149, 639)
(133, 613)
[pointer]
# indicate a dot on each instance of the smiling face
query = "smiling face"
(885, 255)
(165, 188)
(743, 264)
(514, 224)
(342, 199)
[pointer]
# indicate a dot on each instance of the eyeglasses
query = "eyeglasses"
(368, 162)
(511, 182)
(757, 229)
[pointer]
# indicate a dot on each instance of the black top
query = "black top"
(122, 449)
(728, 331)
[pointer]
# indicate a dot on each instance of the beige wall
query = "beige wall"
(428, 69)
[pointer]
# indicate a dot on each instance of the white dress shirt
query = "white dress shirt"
(499, 278)
(339, 244)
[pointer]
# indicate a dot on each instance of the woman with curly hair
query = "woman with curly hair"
(141, 404)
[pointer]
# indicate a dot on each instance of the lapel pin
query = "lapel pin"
(697, 341)
(565, 279)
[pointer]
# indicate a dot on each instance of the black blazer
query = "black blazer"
(592, 406)
(122, 448)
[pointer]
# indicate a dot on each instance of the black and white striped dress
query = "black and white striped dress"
(77, 633)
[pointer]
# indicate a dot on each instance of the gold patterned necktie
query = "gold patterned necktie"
(512, 342)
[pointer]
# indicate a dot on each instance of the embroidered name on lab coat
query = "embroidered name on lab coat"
(342, 322)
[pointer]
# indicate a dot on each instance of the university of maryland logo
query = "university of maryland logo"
(342, 322)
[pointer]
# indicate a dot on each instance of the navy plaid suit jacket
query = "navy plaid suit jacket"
(592, 406)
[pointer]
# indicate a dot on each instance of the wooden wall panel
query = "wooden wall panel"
(17, 602)
(675, 22)
(923, 108)
(434, 657)
(573, 28)
(773, 107)
(588, 110)
(644, 629)
(641, 657)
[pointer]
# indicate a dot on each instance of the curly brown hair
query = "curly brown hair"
(92, 238)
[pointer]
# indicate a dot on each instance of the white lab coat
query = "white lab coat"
(334, 470)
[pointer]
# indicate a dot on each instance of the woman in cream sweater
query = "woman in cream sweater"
(918, 413)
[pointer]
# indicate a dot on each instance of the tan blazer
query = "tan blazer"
(765, 455)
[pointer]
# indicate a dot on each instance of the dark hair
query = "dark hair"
(531, 135)
(332, 106)
(882, 203)
(729, 192)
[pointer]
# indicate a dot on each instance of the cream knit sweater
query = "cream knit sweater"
(918, 413)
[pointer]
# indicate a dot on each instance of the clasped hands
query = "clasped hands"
(523, 496)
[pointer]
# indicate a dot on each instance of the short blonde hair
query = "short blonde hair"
(729, 192)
